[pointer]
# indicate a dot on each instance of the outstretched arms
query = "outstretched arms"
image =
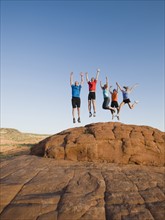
(82, 78)
(97, 74)
(110, 89)
(118, 86)
(101, 85)
(87, 79)
(71, 78)
(106, 83)
(134, 86)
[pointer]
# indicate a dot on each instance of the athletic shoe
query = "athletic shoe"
(94, 114)
(74, 120)
(113, 117)
(90, 114)
(118, 117)
(136, 102)
(79, 121)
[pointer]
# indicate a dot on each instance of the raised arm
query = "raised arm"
(82, 78)
(118, 86)
(71, 78)
(97, 74)
(87, 77)
(110, 89)
(101, 85)
(117, 89)
(107, 81)
(134, 86)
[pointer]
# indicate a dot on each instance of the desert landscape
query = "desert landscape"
(102, 171)
(14, 142)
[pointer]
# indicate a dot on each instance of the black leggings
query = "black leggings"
(106, 103)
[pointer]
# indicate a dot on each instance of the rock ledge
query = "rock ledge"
(111, 142)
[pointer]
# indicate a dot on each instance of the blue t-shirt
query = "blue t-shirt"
(76, 91)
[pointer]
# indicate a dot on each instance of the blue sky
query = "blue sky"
(43, 41)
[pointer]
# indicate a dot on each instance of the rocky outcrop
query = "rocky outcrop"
(46, 189)
(106, 142)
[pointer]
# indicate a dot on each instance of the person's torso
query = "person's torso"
(92, 85)
(105, 93)
(76, 91)
(125, 95)
(115, 96)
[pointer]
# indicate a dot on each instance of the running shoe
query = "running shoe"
(90, 114)
(79, 121)
(136, 102)
(74, 120)
(94, 114)
(118, 117)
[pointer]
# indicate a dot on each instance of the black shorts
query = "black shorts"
(92, 95)
(106, 103)
(126, 101)
(114, 104)
(76, 102)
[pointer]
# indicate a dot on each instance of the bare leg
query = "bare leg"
(89, 105)
(73, 112)
(131, 106)
(118, 110)
(121, 105)
(94, 105)
(78, 111)
(111, 108)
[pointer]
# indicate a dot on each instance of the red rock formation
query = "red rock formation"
(110, 142)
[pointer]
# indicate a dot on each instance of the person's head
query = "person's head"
(92, 79)
(105, 86)
(125, 87)
(76, 83)
(114, 90)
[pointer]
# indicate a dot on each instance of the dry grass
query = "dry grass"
(14, 143)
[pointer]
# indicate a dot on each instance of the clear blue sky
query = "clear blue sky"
(43, 41)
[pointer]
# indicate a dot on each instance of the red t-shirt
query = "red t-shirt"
(92, 85)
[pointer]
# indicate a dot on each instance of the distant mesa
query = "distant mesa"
(111, 142)
(9, 131)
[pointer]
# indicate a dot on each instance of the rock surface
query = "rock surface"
(35, 188)
(91, 174)
(110, 142)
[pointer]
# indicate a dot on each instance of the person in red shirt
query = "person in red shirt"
(92, 93)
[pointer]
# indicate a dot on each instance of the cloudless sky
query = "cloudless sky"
(43, 41)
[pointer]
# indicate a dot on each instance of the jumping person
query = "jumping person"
(92, 93)
(125, 91)
(76, 101)
(114, 102)
(106, 97)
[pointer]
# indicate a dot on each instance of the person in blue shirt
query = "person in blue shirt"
(106, 96)
(125, 92)
(76, 101)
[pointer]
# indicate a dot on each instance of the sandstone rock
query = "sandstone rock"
(47, 189)
(110, 142)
